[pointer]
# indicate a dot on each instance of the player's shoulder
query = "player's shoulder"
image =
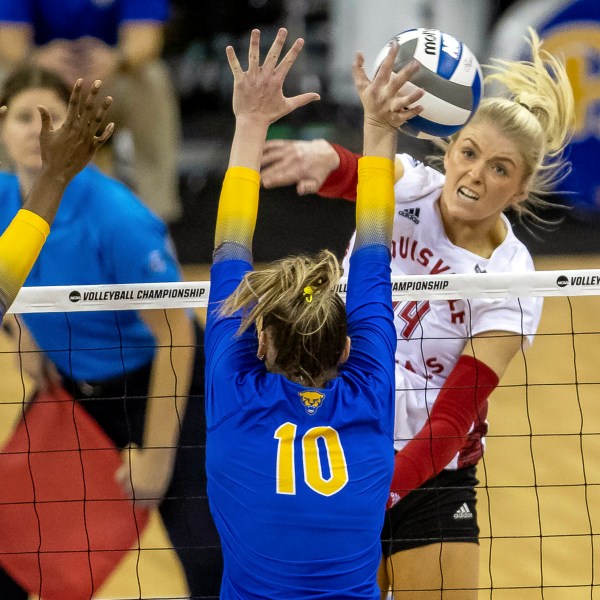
(512, 255)
(415, 180)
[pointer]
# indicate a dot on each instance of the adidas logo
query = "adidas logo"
(411, 213)
(463, 512)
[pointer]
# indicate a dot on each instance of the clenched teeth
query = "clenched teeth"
(467, 193)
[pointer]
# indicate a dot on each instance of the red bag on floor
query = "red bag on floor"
(64, 522)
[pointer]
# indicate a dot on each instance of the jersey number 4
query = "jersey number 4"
(412, 313)
(336, 476)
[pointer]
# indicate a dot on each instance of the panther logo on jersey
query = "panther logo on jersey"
(311, 400)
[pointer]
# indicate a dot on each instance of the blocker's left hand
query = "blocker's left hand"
(258, 91)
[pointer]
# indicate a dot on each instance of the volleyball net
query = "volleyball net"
(539, 492)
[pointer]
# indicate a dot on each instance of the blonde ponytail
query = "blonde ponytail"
(537, 114)
(536, 111)
(296, 299)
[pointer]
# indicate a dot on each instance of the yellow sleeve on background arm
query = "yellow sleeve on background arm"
(374, 202)
(238, 207)
(20, 246)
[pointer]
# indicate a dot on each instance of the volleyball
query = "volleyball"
(450, 75)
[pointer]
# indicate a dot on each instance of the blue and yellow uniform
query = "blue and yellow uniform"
(298, 477)
(20, 245)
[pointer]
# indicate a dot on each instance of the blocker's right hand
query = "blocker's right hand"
(385, 103)
(305, 164)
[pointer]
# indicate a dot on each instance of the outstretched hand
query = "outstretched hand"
(66, 150)
(258, 92)
(386, 102)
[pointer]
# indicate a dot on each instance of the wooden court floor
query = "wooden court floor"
(539, 499)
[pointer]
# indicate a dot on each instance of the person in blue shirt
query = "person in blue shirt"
(299, 387)
(64, 152)
(119, 42)
(132, 370)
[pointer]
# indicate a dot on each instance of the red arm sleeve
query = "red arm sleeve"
(342, 182)
(461, 402)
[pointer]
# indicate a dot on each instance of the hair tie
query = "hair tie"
(308, 294)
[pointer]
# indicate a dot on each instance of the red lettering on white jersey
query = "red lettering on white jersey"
(412, 313)
(410, 249)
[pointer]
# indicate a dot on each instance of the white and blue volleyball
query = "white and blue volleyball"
(450, 75)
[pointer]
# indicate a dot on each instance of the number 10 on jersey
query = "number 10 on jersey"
(312, 460)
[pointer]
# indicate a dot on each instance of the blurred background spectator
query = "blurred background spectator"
(120, 42)
(196, 34)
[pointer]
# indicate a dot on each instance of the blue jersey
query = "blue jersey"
(298, 477)
(102, 234)
(72, 19)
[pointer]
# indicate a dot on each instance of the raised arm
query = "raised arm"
(369, 294)
(258, 101)
(64, 153)
(307, 164)
(314, 167)
(318, 166)
(385, 109)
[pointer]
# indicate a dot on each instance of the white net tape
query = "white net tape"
(135, 296)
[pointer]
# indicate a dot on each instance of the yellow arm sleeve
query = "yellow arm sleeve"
(238, 207)
(374, 201)
(20, 245)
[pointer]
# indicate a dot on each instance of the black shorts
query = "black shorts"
(443, 509)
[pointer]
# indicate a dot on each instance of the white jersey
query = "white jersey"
(433, 334)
